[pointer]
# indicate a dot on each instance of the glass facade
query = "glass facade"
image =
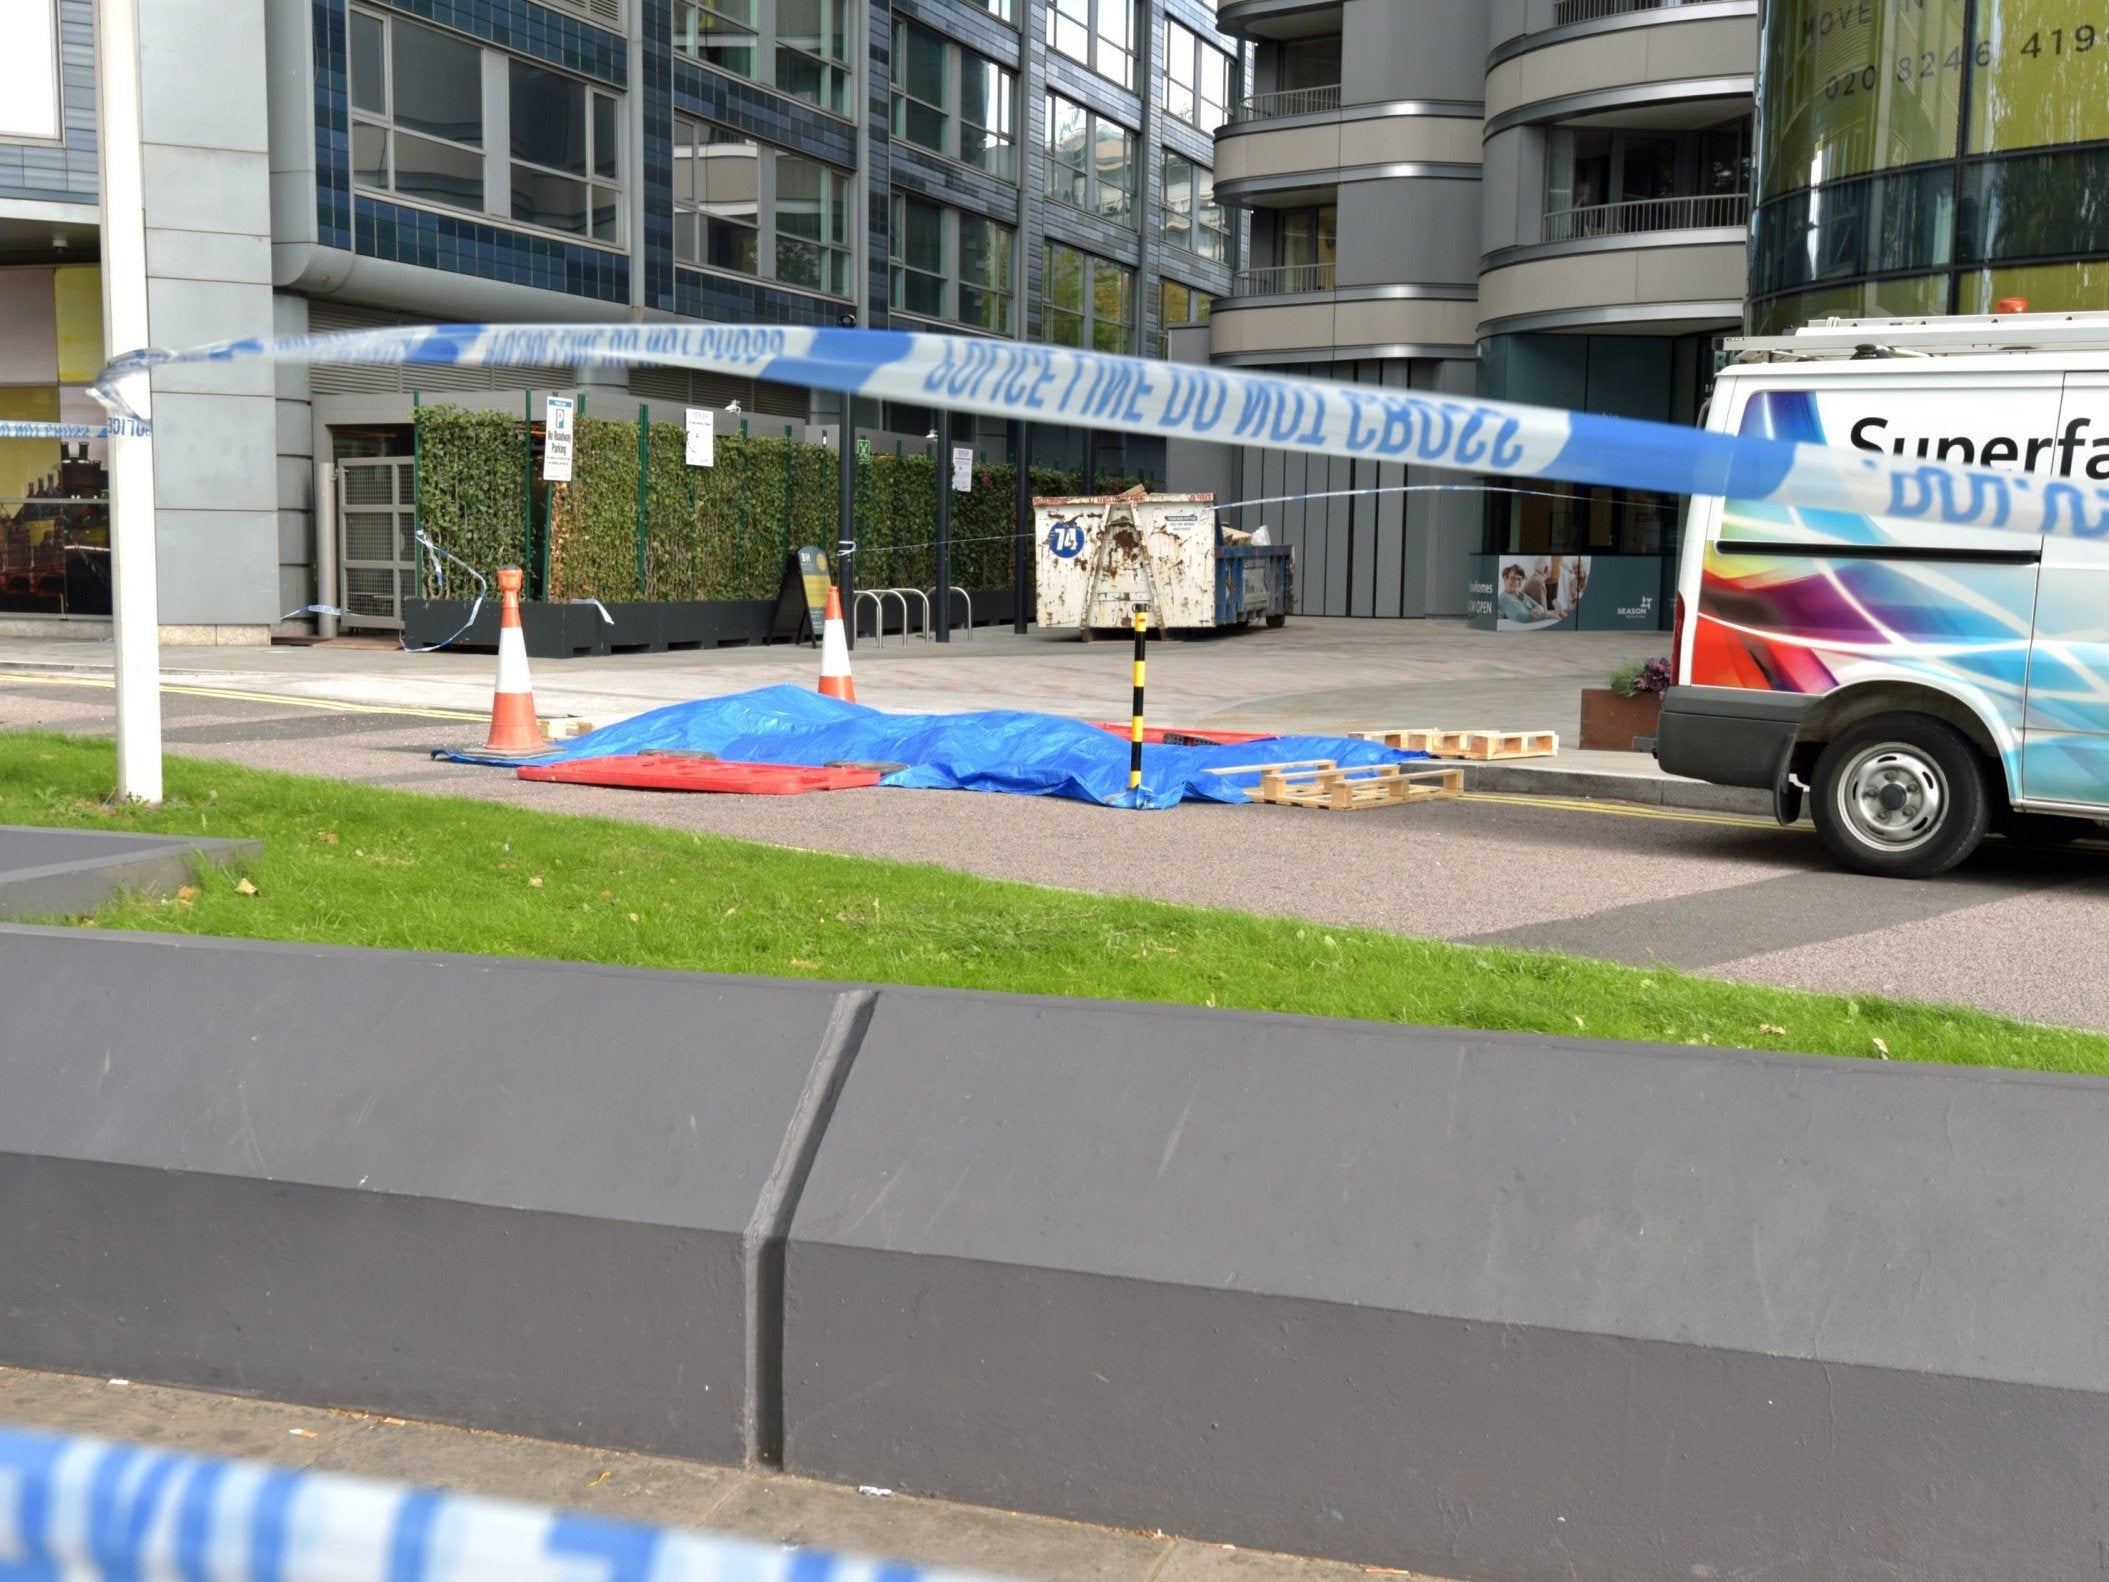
(1930, 158)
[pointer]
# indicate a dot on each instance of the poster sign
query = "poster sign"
(1527, 591)
(556, 439)
(702, 437)
(962, 469)
(801, 599)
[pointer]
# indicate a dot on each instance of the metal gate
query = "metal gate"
(376, 524)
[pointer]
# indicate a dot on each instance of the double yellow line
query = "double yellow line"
(1669, 815)
(327, 705)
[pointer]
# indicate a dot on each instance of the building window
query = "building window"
(747, 208)
(417, 112)
(951, 265)
(1176, 305)
(931, 77)
(567, 154)
(720, 33)
(1091, 161)
(1603, 181)
(800, 47)
(1193, 219)
(1095, 33)
(1199, 77)
(1086, 301)
(1003, 10)
(547, 151)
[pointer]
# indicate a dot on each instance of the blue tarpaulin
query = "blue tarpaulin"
(1000, 750)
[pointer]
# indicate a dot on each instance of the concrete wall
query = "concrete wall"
(1433, 49)
(208, 217)
(1488, 1306)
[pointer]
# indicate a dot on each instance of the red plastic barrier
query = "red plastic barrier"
(664, 772)
(1188, 738)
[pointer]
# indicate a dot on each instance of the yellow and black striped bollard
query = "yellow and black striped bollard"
(1142, 631)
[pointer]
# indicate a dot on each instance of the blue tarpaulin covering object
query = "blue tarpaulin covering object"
(1002, 750)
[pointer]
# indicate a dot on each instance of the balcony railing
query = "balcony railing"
(1292, 101)
(1566, 11)
(1283, 280)
(1644, 215)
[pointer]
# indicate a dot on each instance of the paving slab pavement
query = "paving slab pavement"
(763, 1506)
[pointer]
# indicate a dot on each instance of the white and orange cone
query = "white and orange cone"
(835, 679)
(513, 729)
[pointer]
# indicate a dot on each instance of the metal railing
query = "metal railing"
(1566, 11)
(1282, 280)
(1291, 101)
(1644, 215)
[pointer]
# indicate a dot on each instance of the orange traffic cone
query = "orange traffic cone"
(514, 734)
(835, 679)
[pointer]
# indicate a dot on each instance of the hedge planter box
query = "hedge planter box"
(1611, 723)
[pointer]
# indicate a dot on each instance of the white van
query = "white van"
(1919, 684)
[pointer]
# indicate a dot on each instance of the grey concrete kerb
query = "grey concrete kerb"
(61, 872)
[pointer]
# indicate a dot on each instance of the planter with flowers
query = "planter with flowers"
(1623, 716)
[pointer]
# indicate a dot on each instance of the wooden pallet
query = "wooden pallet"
(1478, 746)
(1322, 783)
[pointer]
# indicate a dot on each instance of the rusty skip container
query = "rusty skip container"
(1102, 556)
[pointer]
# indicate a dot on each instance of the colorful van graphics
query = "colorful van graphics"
(2013, 626)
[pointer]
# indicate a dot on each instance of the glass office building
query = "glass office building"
(1936, 157)
(1034, 169)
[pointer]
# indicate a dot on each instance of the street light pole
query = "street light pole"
(135, 593)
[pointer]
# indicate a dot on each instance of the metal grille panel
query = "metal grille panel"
(377, 525)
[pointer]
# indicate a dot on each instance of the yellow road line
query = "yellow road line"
(108, 683)
(1627, 810)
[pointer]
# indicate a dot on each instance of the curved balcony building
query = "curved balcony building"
(1617, 187)
(1356, 158)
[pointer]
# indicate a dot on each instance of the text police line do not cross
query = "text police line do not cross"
(1234, 406)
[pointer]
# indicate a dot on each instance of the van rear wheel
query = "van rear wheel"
(1902, 796)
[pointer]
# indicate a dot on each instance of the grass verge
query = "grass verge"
(346, 865)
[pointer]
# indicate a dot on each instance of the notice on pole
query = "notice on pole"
(702, 437)
(962, 469)
(556, 439)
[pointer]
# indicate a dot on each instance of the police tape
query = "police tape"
(1054, 384)
(14, 430)
(76, 1509)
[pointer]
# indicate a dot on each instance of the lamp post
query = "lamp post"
(135, 595)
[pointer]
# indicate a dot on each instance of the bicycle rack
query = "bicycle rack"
(966, 598)
(879, 596)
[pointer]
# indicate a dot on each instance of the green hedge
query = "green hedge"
(471, 490)
(719, 532)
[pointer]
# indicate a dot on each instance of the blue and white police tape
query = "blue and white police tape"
(1053, 384)
(72, 1510)
(14, 430)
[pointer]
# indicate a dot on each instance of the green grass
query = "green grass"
(351, 866)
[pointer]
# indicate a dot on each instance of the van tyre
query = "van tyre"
(1901, 795)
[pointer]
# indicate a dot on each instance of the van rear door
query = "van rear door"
(2065, 724)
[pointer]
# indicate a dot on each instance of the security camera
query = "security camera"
(931, 436)
(58, 242)
(848, 321)
(732, 406)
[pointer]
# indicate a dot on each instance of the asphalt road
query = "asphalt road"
(2012, 931)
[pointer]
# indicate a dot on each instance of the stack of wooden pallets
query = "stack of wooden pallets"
(1322, 783)
(1478, 746)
